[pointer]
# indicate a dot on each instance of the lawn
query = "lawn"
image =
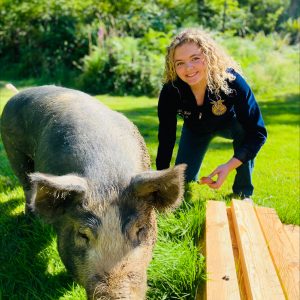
(276, 173)
(29, 264)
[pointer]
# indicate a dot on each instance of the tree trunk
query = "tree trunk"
(224, 16)
(294, 9)
(200, 9)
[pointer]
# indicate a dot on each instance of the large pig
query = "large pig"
(85, 169)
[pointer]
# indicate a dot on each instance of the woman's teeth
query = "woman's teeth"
(191, 75)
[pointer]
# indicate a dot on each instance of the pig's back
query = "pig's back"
(67, 131)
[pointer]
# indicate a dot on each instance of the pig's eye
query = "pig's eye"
(141, 233)
(82, 235)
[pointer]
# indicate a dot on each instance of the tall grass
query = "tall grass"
(30, 267)
(177, 274)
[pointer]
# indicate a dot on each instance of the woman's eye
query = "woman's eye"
(196, 58)
(179, 64)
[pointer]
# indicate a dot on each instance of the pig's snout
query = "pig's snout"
(97, 288)
(106, 287)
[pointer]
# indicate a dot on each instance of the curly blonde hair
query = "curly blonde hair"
(217, 60)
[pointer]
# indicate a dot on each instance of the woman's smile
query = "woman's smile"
(191, 75)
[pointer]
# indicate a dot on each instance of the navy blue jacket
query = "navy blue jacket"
(177, 98)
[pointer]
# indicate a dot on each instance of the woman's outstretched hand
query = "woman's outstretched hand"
(221, 173)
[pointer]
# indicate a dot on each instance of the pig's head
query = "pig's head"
(105, 239)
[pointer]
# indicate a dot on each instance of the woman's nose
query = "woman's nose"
(188, 64)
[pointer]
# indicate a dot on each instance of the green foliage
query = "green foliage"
(292, 28)
(243, 17)
(270, 64)
(50, 39)
(135, 66)
(121, 66)
(227, 16)
(40, 38)
(155, 41)
(265, 14)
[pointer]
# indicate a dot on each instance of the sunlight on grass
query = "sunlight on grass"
(28, 246)
(175, 273)
(75, 292)
(16, 196)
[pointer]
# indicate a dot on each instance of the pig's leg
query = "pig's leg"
(22, 165)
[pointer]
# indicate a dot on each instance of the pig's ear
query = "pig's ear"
(163, 189)
(54, 193)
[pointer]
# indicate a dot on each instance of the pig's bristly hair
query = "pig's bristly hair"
(67, 183)
(163, 188)
(51, 192)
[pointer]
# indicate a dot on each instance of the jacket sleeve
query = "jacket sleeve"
(167, 111)
(249, 115)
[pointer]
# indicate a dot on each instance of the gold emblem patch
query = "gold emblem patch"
(218, 108)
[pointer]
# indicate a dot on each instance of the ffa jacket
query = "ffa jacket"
(214, 114)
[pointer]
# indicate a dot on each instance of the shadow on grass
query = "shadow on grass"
(281, 105)
(281, 109)
(23, 260)
(145, 119)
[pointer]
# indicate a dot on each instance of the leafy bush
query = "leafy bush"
(269, 63)
(49, 39)
(40, 38)
(292, 28)
(122, 66)
(135, 66)
(95, 77)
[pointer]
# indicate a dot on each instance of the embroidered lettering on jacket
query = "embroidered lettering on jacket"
(184, 113)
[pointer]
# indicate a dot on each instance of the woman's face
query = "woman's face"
(190, 64)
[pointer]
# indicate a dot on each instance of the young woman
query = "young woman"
(204, 86)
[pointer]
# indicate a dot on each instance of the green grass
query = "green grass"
(276, 173)
(30, 267)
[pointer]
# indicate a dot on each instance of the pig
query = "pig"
(85, 169)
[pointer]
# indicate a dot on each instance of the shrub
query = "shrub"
(40, 38)
(121, 66)
(135, 66)
(292, 28)
(269, 63)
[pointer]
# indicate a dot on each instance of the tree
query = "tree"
(293, 10)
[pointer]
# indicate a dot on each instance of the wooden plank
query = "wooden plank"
(237, 260)
(293, 232)
(222, 280)
(283, 250)
(260, 275)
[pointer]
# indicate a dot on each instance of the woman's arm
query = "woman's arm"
(249, 116)
(167, 110)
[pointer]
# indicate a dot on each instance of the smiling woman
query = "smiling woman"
(205, 87)
(191, 68)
